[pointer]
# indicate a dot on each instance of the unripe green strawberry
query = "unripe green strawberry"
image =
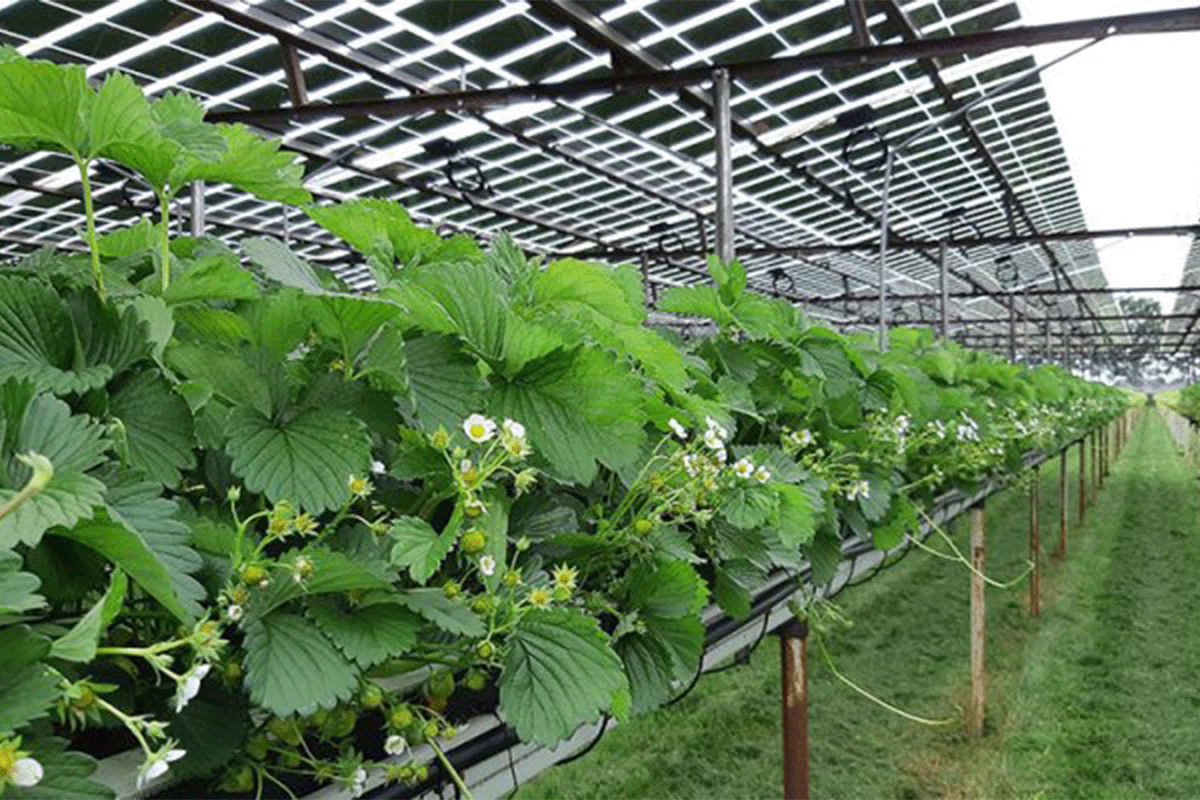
(451, 589)
(238, 781)
(441, 683)
(473, 542)
(371, 696)
(414, 733)
(252, 574)
(485, 650)
(562, 593)
(232, 671)
(256, 747)
(342, 721)
(642, 526)
(437, 704)
(475, 680)
(290, 760)
(401, 717)
(430, 731)
(482, 605)
(319, 717)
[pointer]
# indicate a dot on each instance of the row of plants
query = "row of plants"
(275, 534)
(1187, 402)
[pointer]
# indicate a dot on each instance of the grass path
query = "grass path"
(1098, 698)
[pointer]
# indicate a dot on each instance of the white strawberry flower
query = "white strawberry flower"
(487, 565)
(25, 773)
(804, 438)
(157, 764)
(712, 425)
(690, 464)
(358, 782)
(189, 686)
(743, 468)
(235, 612)
(713, 439)
(395, 745)
(377, 467)
(514, 429)
(512, 434)
(677, 428)
(479, 428)
(762, 475)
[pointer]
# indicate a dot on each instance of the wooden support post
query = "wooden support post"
(978, 702)
(1082, 478)
(1035, 543)
(1062, 503)
(793, 653)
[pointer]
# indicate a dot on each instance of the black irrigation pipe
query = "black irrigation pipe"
(502, 738)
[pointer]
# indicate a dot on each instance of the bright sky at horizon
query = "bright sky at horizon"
(1128, 126)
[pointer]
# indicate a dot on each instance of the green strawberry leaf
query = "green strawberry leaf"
(79, 644)
(576, 406)
(452, 616)
(141, 508)
(419, 548)
(73, 444)
(307, 459)
(37, 339)
(158, 426)
(18, 590)
(27, 686)
(367, 635)
(129, 551)
(445, 382)
(291, 667)
(559, 673)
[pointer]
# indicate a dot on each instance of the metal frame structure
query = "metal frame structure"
(604, 129)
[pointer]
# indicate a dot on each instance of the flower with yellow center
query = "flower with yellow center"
(467, 472)
(540, 597)
(479, 428)
(565, 576)
(360, 486)
(16, 767)
(512, 436)
(744, 468)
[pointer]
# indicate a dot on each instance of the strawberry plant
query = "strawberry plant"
(237, 497)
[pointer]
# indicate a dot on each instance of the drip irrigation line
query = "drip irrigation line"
(742, 657)
(581, 753)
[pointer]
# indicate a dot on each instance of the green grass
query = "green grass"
(1082, 703)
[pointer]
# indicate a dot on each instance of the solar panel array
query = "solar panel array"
(618, 177)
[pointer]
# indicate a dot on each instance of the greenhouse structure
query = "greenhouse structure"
(597, 399)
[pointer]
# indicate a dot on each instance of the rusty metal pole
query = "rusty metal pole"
(1082, 478)
(1062, 503)
(978, 702)
(793, 653)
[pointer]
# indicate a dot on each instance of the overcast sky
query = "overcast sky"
(1127, 116)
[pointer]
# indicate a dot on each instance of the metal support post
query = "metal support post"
(944, 291)
(978, 702)
(889, 163)
(1082, 478)
(1062, 503)
(1012, 327)
(197, 223)
(722, 124)
(793, 652)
